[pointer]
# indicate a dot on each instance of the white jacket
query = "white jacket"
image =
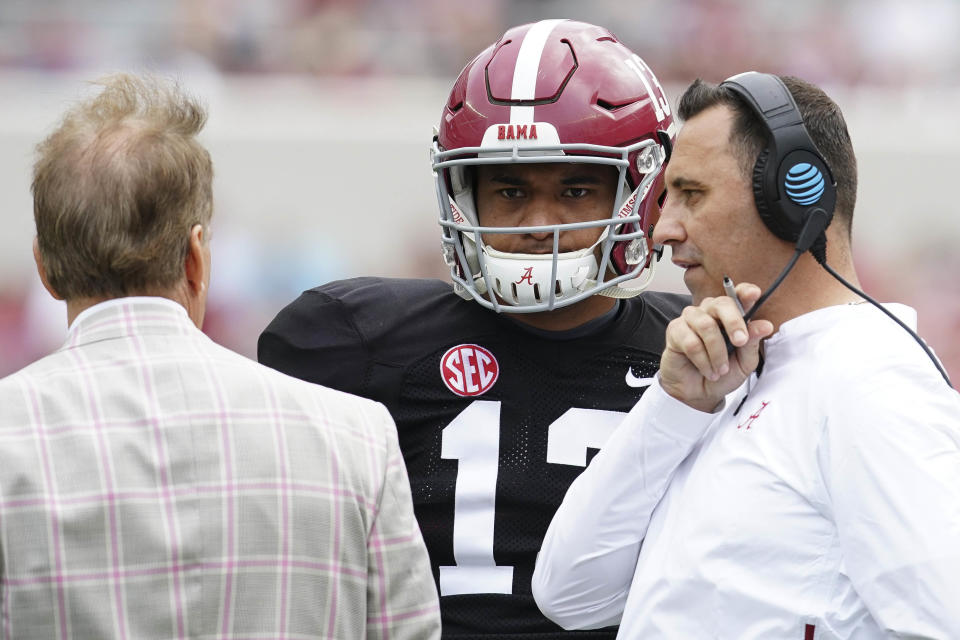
(828, 506)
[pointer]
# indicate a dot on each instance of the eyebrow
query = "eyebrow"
(508, 179)
(685, 183)
(514, 181)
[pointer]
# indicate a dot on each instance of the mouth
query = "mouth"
(685, 265)
(540, 252)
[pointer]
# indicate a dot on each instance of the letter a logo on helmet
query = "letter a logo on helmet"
(562, 89)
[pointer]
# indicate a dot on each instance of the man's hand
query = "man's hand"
(695, 368)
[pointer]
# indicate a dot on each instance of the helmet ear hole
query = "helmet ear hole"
(461, 179)
(667, 142)
(618, 257)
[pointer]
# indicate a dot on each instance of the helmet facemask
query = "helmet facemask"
(527, 283)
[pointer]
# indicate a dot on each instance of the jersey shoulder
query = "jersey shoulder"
(643, 324)
(662, 307)
(334, 333)
(386, 314)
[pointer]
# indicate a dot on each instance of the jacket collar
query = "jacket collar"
(129, 316)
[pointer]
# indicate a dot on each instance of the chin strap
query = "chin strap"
(637, 285)
(618, 292)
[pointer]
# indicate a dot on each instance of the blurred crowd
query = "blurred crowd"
(886, 42)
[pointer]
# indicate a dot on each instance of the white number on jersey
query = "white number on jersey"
(473, 439)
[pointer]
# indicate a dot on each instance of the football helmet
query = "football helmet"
(553, 91)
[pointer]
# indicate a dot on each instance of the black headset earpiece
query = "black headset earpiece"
(759, 177)
(791, 179)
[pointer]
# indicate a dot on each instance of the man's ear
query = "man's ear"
(42, 271)
(197, 264)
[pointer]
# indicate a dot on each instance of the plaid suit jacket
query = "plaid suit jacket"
(156, 485)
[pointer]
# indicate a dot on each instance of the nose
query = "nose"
(669, 228)
(540, 211)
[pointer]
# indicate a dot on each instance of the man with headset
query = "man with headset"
(805, 488)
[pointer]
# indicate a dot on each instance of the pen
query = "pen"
(730, 291)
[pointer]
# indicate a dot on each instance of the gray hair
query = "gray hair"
(118, 186)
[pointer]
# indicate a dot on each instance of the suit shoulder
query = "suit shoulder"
(14, 398)
(32, 374)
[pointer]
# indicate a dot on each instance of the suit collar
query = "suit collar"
(128, 316)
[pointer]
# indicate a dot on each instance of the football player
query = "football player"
(549, 164)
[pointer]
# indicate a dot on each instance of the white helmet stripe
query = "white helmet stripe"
(528, 68)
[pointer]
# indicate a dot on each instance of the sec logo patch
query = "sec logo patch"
(469, 370)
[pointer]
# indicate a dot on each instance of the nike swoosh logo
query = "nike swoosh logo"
(637, 382)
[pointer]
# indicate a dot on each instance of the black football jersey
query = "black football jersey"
(495, 420)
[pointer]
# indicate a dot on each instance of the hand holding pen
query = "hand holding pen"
(698, 367)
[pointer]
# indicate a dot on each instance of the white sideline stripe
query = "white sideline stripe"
(528, 68)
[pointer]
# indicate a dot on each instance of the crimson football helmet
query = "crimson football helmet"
(553, 91)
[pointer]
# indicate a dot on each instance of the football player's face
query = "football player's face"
(709, 218)
(529, 195)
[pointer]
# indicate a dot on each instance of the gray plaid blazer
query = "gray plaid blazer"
(156, 485)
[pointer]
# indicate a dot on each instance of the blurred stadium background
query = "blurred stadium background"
(321, 114)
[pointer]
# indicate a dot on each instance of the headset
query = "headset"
(791, 180)
(793, 187)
